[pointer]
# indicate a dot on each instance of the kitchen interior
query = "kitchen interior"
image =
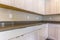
(29, 19)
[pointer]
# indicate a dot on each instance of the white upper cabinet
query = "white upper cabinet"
(8, 2)
(19, 3)
(53, 7)
(38, 6)
(30, 5)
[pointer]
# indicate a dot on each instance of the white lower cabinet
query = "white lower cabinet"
(58, 33)
(38, 32)
(54, 31)
(16, 38)
(35, 35)
(43, 34)
(29, 36)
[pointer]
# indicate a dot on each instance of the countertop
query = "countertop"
(10, 25)
(4, 26)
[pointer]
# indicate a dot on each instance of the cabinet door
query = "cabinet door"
(53, 31)
(53, 7)
(38, 6)
(17, 38)
(43, 33)
(36, 35)
(19, 3)
(58, 33)
(7, 2)
(30, 36)
(24, 4)
(31, 5)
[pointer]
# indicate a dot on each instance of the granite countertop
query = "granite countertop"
(10, 25)
(4, 26)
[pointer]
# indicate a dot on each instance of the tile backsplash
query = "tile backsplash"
(51, 18)
(11, 15)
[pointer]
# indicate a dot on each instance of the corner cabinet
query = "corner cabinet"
(54, 31)
(53, 7)
(36, 6)
(35, 35)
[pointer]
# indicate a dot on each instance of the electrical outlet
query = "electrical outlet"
(10, 15)
(37, 18)
(50, 18)
(28, 17)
